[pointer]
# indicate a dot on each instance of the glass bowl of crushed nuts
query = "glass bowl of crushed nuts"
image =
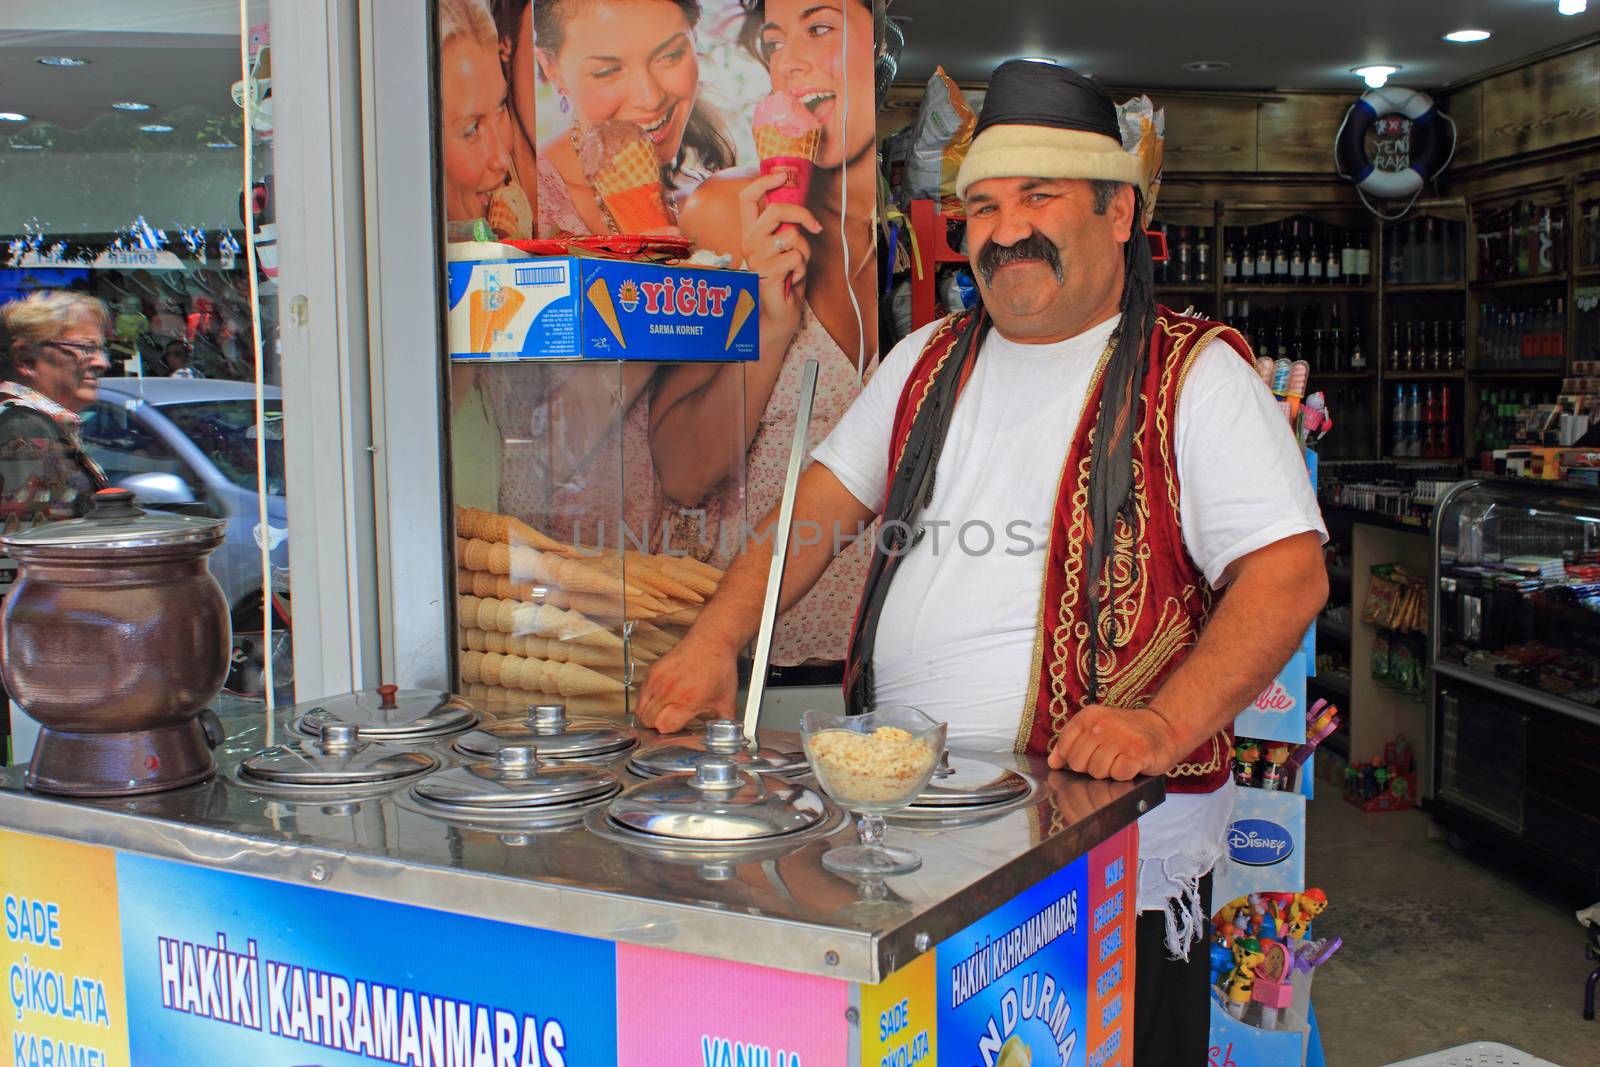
(872, 765)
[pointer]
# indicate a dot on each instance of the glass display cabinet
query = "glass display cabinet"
(597, 440)
(1515, 723)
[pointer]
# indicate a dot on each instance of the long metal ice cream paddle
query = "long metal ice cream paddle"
(780, 555)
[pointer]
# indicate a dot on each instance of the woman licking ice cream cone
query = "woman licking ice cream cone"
(475, 133)
(815, 257)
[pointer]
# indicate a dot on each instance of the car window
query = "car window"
(225, 431)
(115, 438)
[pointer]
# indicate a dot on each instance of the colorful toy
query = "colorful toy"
(1244, 762)
(1314, 954)
(1306, 907)
(1240, 983)
(1272, 773)
(1273, 988)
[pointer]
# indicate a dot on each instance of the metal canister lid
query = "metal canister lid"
(965, 782)
(516, 779)
(117, 522)
(388, 713)
(719, 801)
(724, 738)
(548, 729)
(338, 757)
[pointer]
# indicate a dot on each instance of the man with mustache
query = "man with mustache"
(1099, 540)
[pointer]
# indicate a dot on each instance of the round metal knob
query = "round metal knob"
(517, 761)
(387, 694)
(339, 735)
(548, 718)
(724, 735)
(715, 773)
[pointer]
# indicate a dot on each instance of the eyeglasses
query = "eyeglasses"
(80, 350)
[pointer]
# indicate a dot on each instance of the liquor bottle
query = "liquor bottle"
(1350, 258)
(1315, 257)
(1185, 256)
(1297, 255)
(1414, 441)
(1319, 351)
(1202, 255)
(1446, 429)
(1394, 265)
(1519, 239)
(1358, 355)
(1397, 423)
(1280, 257)
(1363, 258)
(1264, 260)
(1247, 257)
(1333, 259)
(1396, 351)
(1336, 346)
(1230, 262)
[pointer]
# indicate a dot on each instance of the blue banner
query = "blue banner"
(1012, 986)
(225, 970)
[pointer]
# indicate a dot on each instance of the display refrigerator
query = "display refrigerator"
(1515, 722)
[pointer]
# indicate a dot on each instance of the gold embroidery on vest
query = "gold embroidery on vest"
(927, 383)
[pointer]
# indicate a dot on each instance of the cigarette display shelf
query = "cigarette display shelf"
(1489, 374)
(1400, 289)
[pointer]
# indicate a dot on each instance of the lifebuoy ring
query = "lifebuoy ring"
(1433, 142)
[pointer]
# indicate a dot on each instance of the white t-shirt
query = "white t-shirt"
(957, 631)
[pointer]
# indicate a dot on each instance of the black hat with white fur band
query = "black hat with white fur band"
(1044, 121)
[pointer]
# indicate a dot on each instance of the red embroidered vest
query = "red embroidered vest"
(1162, 598)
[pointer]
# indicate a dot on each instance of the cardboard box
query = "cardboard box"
(569, 307)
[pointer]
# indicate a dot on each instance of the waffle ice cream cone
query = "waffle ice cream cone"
(621, 162)
(741, 311)
(510, 214)
(773, 143)
(600, 297)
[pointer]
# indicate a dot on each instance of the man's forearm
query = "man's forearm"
(1257, 625)
(734, 613)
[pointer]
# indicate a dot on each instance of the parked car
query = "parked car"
(189, 445)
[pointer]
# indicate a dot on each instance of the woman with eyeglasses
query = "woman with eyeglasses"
(51, 363)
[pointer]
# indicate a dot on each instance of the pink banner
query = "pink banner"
(690, 1010)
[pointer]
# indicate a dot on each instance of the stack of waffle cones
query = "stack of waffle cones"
(539, 615)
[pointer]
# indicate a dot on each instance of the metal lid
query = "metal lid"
(338, 757)
(719, 801)
(389, 713)
(722, 737)
(116, 522)
(965, 782)
(515, 778)
(548, 729)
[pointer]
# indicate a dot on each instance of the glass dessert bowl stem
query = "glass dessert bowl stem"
(871, 856)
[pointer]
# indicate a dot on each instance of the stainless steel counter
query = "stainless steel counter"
(778, 908)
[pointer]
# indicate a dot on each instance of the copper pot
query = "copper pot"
(115, 638)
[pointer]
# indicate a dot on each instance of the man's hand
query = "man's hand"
(1120, 743)
(699, 677)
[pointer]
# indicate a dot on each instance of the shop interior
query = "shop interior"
(1437, 348)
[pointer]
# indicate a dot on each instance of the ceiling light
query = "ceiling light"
(129, 105)
(12, 116)
(1376, 76)
(27, 147)
(1572, 7)
(63, 61)
(1205, 66)
(1467, 36)
(156, 127)
(1040, 59)
(221, 144)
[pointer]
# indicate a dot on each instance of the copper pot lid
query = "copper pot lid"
(340, 756)
(965, 782)
(116, 522)
(389, 713)
(548, 729)
(724, 738)
(719, 801)
(515, 779)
